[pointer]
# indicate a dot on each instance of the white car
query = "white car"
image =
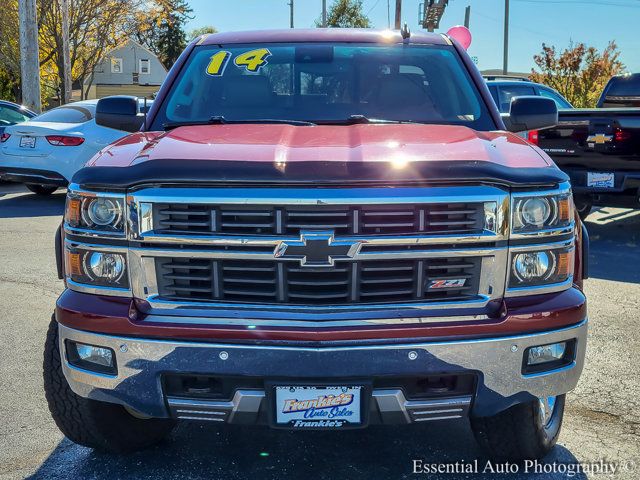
(47, 150)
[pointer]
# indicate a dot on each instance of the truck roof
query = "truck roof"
(293, 35)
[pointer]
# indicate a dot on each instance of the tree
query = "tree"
(579, 72)
(95, 26)
(346, 14)
(160, 28)
(202, 31)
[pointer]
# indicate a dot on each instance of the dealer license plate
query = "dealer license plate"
(600, 179)
(318, 407)
(27, 142)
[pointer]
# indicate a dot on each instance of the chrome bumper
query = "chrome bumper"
(497, 362)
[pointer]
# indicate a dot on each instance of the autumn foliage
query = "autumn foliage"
(579, 72)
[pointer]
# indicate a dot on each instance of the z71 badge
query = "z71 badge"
(451, 283)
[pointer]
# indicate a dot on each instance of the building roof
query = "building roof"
(356, 35)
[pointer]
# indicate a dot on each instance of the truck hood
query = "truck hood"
(365, 155)
(398, 144)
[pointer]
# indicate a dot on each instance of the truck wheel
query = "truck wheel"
(41, 189)
(583, 205)
(103, 426)
(523, 432)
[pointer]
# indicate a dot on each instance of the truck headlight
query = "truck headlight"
(97, 268)
(541, 212)
(98, 212)
(541, 267)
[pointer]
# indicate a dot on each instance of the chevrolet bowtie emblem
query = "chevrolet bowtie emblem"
(599, 138)
(316, 249)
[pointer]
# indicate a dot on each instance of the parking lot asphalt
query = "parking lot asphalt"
(602, 420)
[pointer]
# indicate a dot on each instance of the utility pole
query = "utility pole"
(66, 53)
(324, 13)
(29, 55)
(398, 14)
(388, 15)
(291, 13)
(467, 16)
(505, 60)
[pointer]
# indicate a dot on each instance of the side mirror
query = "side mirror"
(531, 113)
(120, 112)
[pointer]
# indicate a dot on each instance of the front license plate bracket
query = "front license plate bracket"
(318, 406)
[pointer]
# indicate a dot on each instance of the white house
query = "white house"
(129, 69)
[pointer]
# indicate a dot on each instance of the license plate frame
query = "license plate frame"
(601, 179)
(27, 141)
(312, 390)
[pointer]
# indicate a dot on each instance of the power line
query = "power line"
(374, 6)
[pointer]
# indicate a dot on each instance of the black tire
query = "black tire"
(519, 433)
(103, 426)
(583, 205)
(41, 189)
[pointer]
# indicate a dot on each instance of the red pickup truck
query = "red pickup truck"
(319, 229)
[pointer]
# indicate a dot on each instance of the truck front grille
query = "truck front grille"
(272, 282)
(404, 219)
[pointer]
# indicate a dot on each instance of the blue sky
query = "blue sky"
(556, 22)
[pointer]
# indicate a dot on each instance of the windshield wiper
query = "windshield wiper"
(361, 119)
(221, 120)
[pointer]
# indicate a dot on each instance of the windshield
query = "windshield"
(324, 83)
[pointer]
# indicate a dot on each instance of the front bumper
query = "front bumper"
(31, 175)
(496, 363)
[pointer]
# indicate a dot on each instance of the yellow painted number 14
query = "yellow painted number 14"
(252, 61)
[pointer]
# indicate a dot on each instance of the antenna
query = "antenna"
(405, 32)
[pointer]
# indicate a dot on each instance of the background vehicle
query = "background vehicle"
(47, 150)
(504, 89)
(322, 228)
(621, 91)
(598, 148)
(12, 113)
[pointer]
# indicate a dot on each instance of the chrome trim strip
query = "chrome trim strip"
(252, 322)
(92, 233)
(74, 188)
(269, 255)
(395, 408)
(268, 312)
(563, 188)
(231, 240)
(320, 196)
(94, 247)
(539, 289)
(542, 246)
(550, 232)
(97, 290)
(242, 408)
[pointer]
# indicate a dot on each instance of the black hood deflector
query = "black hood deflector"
(314, 173)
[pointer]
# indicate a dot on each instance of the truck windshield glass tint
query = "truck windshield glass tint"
(325, 83)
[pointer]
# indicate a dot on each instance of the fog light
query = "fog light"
(93, 354)
(91, 357)
(546, 353)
